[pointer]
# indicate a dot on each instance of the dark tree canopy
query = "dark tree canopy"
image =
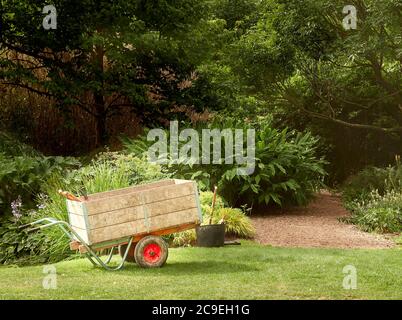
(288, 59)
(105, 55)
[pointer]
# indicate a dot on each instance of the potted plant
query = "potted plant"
(211, 235)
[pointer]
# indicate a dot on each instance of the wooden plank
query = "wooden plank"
(144, 225)
(82, 233)
(105, 219)
(75, 207)
(178, 181)
(123, 191)
(139, 198)
(136, 213)
(77, 221)
(162, 232)
(175, 229)
(197, 200)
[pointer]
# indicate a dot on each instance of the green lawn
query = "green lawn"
(249, 271)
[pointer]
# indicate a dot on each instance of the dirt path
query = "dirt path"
(316, 225)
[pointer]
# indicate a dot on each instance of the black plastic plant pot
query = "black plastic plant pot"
(212, 235)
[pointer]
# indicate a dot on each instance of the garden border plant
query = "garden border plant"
(374, 197)
(287, 169)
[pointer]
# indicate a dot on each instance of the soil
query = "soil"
(316, 225)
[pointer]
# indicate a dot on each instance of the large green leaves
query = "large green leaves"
(23, 176)
(287, 168)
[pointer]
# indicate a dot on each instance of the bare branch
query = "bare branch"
(353, 125)
(24, 86)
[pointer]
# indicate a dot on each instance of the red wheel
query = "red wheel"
(151, 252)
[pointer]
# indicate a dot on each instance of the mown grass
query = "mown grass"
(249, 271)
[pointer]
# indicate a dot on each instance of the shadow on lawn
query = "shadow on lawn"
(196, 267)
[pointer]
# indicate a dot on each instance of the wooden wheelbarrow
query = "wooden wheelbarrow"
(132, 219)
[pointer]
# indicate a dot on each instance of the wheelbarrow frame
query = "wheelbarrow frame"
(73, 236)
(90, 251)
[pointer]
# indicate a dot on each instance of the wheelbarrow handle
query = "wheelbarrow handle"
(38, 222)
(73, 235)
(68, 195)
(34, 229)
(24, 226)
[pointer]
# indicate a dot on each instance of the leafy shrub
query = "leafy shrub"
(360, 186)
(374, 196)
(286, 169)
(23, 176)
(20, 246)
(23, 172)
(12, 147)
(379, 213)
(206, 198)
(184, 239)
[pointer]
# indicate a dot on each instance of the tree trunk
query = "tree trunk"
(101, 131)
(101, 113)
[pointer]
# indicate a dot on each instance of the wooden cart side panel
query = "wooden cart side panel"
(110, 244)
(140, 212)
(123, 191)
(197, 200)
(78, 218)
(144, 226)
(179, 181)
(139, 198)
(77, 221)
(83, 234)
(75, 207)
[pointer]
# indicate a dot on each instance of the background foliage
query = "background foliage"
(286, 68)
(23, 171)
(286, 168)
(374, 196)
